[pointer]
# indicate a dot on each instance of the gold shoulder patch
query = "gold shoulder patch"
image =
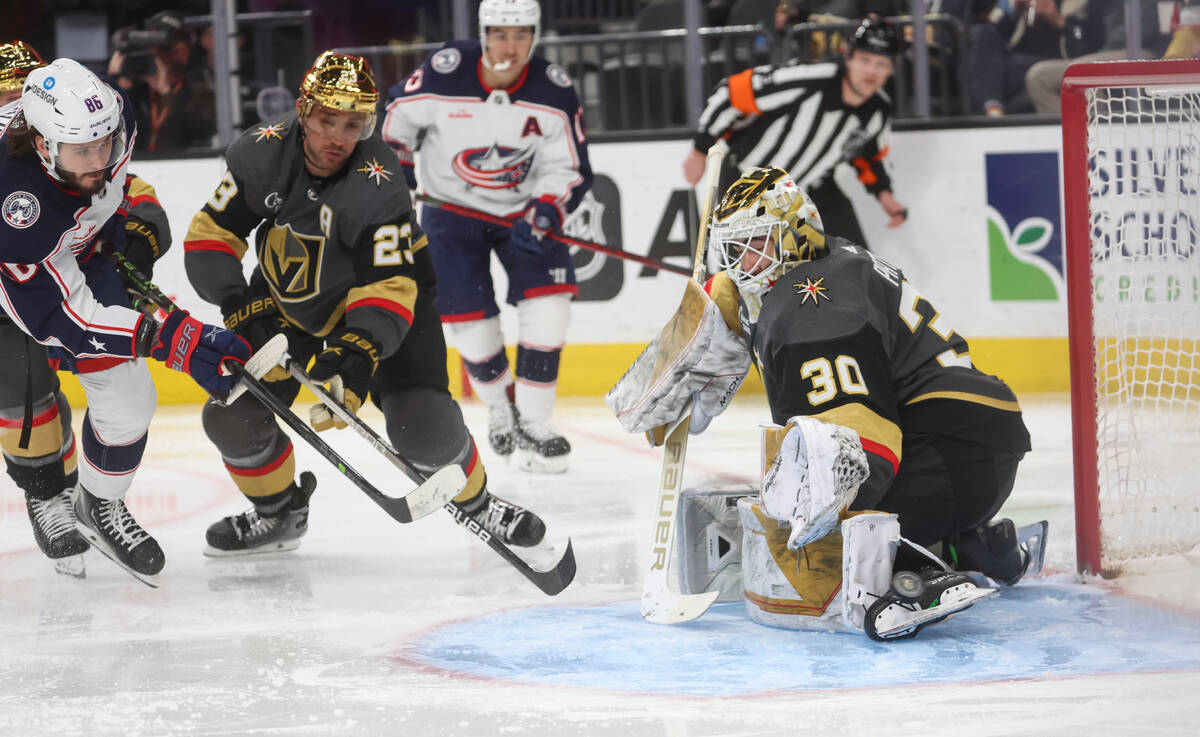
(267, 132)
(813, 290)
(375, 171)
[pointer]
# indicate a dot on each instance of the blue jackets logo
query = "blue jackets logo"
(21, 209)
(1024, 226)
(494, 167)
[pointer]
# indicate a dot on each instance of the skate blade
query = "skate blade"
(959, 600)
(280, 547)
(72, 565)
(533, 463)
(1033, 537)
(99, 545)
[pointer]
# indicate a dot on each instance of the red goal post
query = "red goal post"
(1131, 180)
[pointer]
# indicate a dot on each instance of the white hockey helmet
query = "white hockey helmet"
(509, 13)
(763, 225)
(67, 104)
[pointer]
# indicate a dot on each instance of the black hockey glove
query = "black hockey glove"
(254, 315)
(353, 356)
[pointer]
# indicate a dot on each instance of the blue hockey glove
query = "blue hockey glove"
(198, 350)
(540, 219)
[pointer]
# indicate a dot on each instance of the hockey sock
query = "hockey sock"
(481, 345)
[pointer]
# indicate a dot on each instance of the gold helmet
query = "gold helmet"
(17, 60)
(340, 82)
(763, 225)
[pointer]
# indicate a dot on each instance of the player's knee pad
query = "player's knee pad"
(243, 429)
(543, 321)
(477, 340)
(426, 425)
(121, 401)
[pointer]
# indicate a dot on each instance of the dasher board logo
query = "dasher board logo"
(1024, 227)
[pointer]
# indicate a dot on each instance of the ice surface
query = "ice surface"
(377, 628)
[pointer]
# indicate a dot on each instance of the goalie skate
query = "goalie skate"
(916, 600)
(1032, 539)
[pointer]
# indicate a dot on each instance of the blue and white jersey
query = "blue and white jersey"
(54, 284)
(487, 149)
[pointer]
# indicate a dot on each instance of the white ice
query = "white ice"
(377, 628)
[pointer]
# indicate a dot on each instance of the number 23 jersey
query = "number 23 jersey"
(846, 339)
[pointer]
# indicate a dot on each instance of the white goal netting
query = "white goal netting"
(1143, 149)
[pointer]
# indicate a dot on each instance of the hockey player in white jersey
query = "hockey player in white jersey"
(501, 135)
(63, 160)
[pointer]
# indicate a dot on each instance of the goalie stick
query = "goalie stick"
(550, 581)
(430, 494)
(660, 603)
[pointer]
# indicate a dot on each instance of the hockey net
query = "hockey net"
(1131, 173)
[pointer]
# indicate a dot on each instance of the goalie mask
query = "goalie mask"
(77, 115)
(509, 13)
(17, 60)
(340, 82)
(763, 226)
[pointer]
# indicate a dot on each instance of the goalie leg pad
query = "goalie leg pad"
(708, 543)
(794, 589)
(870, 541)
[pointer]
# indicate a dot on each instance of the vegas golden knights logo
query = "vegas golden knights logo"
(742, 193)
(291, 261)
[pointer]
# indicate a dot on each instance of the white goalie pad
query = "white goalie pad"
(696, 358)
(869, 544)
(708, 543)
(814, 477)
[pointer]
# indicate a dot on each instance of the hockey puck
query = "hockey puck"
(907, 586)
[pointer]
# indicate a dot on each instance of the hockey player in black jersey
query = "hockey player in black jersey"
(844, 337)
(67, 198)
(889, 440)
(806, 119)
(343, 270)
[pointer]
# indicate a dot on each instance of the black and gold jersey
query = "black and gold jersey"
(847, 339)
(343, 249)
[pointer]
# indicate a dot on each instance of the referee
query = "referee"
(807, 119)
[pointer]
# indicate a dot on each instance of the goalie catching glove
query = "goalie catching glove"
(814, 477)
(198, 350)
(347, 364)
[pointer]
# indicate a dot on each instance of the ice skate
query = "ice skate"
(54, 530)
(112, 530)
(541, 449)
(502, 428)
(1000, 551)
(253, 533)
(917, 600)
(513, 524)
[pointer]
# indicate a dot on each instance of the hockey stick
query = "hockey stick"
(660, 603)
(550, 581)
(431, 493)
(558, 238)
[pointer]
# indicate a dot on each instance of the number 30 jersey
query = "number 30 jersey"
(845, 338)
(336, 250)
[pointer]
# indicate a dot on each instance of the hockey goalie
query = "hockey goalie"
(892, 452)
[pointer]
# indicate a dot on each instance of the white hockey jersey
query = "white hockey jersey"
(50, 283)
(487, 149)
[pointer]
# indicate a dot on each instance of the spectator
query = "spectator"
(1002, 51)
(1185, 32)
(1094, 31)
(172, 98)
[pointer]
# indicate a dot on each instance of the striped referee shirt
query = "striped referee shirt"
(793, 117)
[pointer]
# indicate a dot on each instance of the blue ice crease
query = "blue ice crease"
(1034, 630)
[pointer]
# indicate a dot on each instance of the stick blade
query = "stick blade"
(671, 608)
(438, 489)
(554, 580)
(264, 359)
